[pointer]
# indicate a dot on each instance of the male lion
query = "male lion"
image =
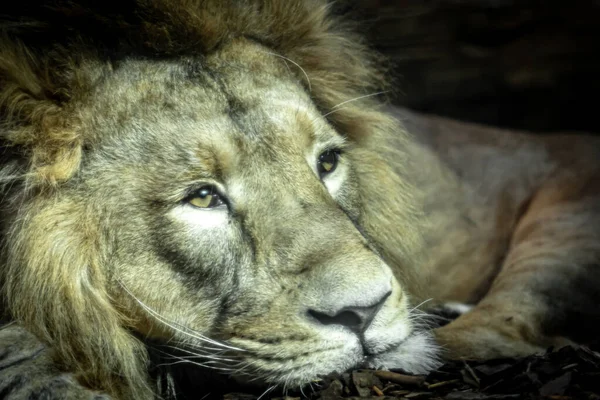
(214, 182)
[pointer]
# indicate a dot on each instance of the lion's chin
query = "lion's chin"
(417, 354)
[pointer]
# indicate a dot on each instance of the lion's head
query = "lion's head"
(212, 176)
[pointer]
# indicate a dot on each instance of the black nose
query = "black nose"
(357, 319)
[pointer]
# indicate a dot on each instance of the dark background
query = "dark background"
(525, 64)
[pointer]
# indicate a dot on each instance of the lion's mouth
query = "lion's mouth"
(415, 353)
(270, 365)
(371, 350)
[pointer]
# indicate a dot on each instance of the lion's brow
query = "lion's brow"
(214, 161)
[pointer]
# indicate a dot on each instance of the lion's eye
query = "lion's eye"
(205, 197)
(328, 161)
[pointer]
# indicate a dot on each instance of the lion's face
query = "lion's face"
(231, 211)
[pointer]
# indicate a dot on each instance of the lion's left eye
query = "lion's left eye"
(328, 161)
(205, 197)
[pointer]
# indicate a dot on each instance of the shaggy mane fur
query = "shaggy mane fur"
(52, 272)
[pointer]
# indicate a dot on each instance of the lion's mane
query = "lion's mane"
(53, 257)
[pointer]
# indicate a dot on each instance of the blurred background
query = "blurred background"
(524, 64)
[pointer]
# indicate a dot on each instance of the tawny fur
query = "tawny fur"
(108, 117)
(53, 274)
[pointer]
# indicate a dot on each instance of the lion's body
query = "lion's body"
(480, 182)
(513, 228)
(211, 177)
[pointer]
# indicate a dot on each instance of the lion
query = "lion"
(220, 182)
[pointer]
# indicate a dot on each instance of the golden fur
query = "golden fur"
(112, 120)
(55, 275)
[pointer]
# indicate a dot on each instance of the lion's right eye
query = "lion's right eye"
(205, 197)
(327, 162)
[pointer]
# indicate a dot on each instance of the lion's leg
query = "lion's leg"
(548, 291)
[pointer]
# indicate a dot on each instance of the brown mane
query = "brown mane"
(43, 54)
(53, 273)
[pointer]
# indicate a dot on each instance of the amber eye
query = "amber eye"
(205, 197)
(328, 161)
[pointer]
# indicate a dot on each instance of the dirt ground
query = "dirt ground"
(565, 374)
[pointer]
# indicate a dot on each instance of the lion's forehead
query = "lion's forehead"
(176, 122)
(169, 103)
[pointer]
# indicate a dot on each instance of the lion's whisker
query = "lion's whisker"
(207, 364)
(420, 304)
(337, 107)
(203, 365)
(188, 347)
(205, 396)
(296, 64)
(302, 391)
(244, 365)
(233, 365)
(179, 328)
(183, 361)
(422, 316)
(193, 357)
(270, 389)
(202, 347)
(285, 383)
(209, 356)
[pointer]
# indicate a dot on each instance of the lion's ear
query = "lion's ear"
(35, 116)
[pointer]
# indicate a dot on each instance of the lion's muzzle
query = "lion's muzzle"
(355, 318)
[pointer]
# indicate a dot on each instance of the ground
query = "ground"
(565, 374)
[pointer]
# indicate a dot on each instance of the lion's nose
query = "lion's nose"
(356, 319)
